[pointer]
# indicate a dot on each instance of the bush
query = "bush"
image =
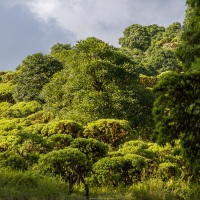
(93, 149)
(60, 141)
(22, 109)
(111, 131)
(138, 147)
(168, 170)
(63, 127)
(121, 170)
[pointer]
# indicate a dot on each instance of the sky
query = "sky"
(32, 26)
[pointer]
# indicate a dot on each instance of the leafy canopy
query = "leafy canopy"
(36, 70)
(97, 82)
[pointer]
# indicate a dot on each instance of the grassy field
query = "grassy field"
(30, 186)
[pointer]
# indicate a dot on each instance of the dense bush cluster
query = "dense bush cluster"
(92, 115)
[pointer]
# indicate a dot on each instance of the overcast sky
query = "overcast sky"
(31, 26)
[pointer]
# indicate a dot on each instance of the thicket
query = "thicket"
(78, 123)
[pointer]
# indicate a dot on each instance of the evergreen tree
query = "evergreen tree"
(189, 50)
(177, 106)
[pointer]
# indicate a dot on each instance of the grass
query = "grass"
(16, 185)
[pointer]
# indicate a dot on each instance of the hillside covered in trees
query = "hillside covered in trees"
(93, 120)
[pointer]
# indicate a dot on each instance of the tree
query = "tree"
(160, 59)
(158, 54)
(98, 82)
(36, 70)
(189, 50)
(62, 127)
(92, 148)
(110, 131)
(21, 150)
(119, 170)
(176, 112)
(21, 109)
(61, 52)
(155, 31)
(57, 48)
(136, 36)
(6, 87)
(68, 163)
(177, 107)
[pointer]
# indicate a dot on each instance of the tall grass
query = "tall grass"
(16, 185)
(152, 189)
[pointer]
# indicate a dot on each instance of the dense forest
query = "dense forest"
(96, 121)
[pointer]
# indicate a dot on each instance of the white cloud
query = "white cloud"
(100, 18)
(105, 19)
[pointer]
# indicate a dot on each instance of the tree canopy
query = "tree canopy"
(35, 71)
(98, 82)
(189, 50)
(177, 106)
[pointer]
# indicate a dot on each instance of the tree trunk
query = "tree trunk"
(86, 186)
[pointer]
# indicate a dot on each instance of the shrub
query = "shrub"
(111, 131)
(60, 141)
(93, 149)
(63, 127)
(121, 170)
(22, 109)
(168, 170)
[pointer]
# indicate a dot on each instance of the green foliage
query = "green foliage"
(136, 36)
(111, 131)
(98, 82)
(176, 113)
(21, 109)
(180, 114)
(61, 52)
(21, 150)
(188, 50)
(39, 117)
(68, 163)
(172, 31)
(148, 81)
(9, 124)
(160, 59)
(36, 70)
(63, 127)
(98, 85)
(34, 128)
(152, 47)
(93, 149)
(57, 48)
(118, 171)
(4, 106)
(141, 37)
(6, 87)
(15, 162)
(30, 185)
(6, 92)
(168, 170)
(139, 148)
(60, 141)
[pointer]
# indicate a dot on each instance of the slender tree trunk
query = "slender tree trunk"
(85, 185)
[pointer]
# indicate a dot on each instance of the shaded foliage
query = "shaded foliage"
(35, 71)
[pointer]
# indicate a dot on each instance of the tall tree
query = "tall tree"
(177, 105)
(189, 50)
(98, 82)
(136, 36)
(35, 71)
